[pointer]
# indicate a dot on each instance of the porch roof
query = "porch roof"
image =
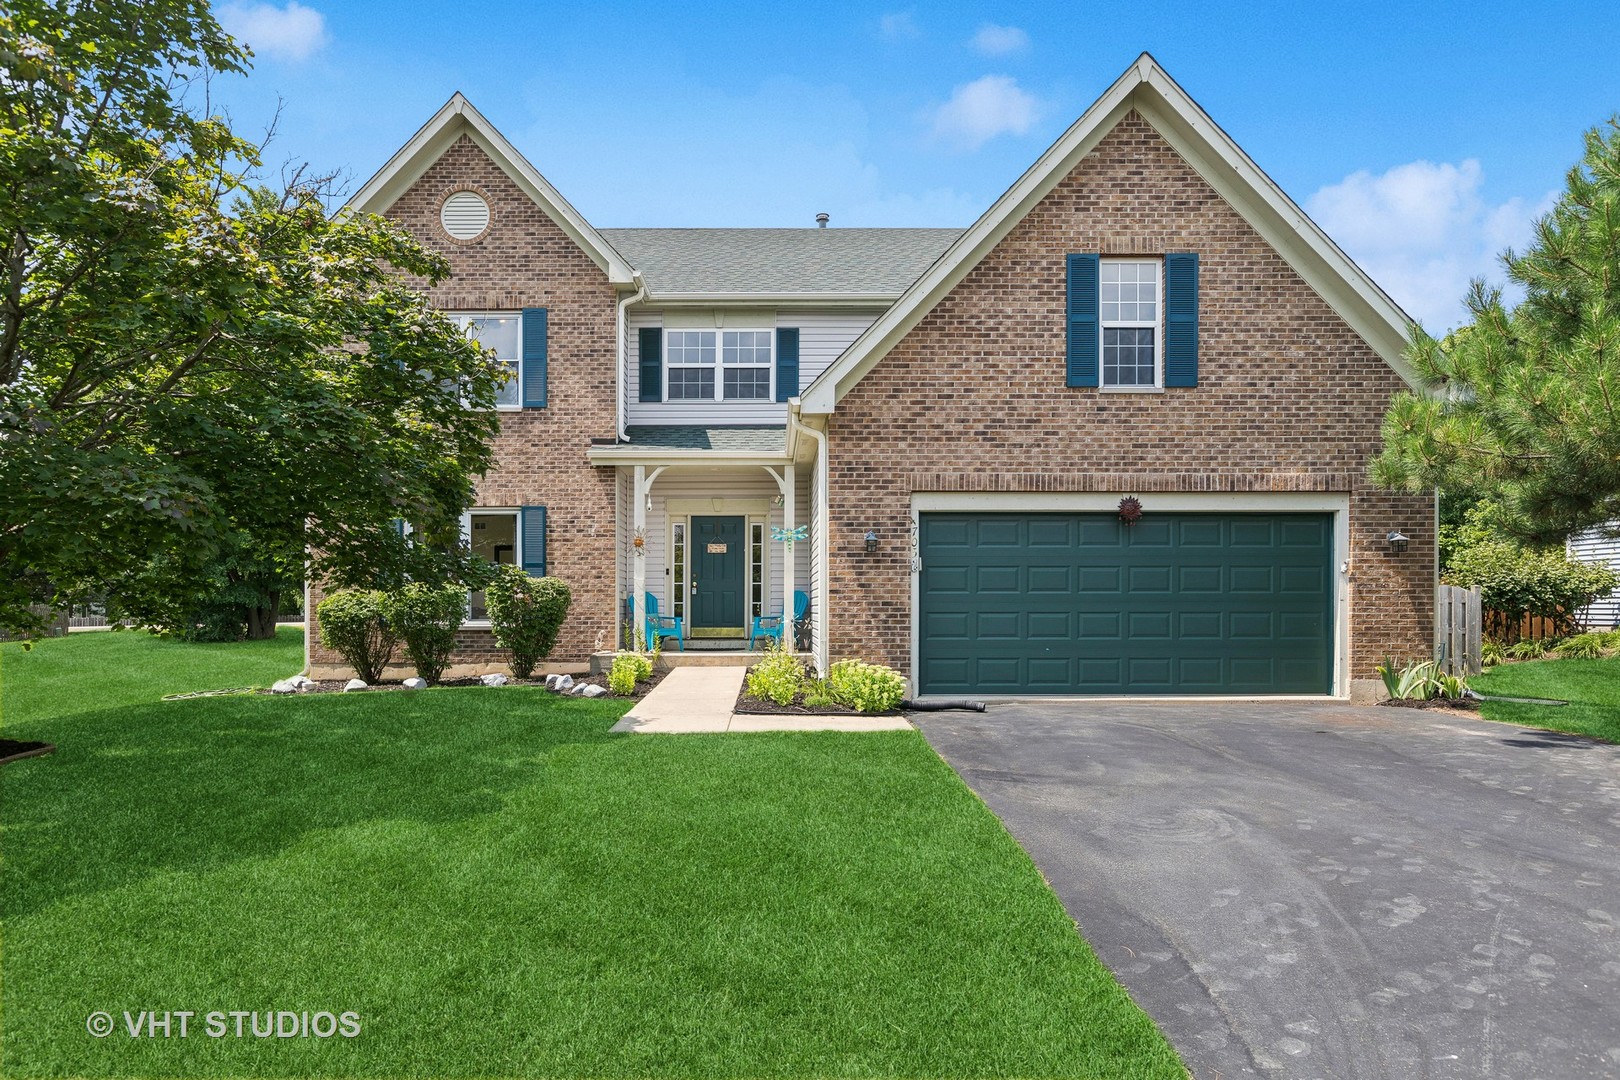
(730, 442)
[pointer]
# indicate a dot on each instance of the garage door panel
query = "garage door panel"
(993, 625)
(1104, 626)
(997, 579)
(1149, 625)
(1051, 625)
(1051, 579)
(1101, 579)
(1149, 579)
(1081, 604)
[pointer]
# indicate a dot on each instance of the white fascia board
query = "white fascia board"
(1146, 87)
(631, 454)
(457, 118)
(815, 299)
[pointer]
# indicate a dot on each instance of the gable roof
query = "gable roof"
(1149, 90)
(814, 263)
(458, 118)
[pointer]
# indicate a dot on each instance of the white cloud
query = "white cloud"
(294, 32)
(899, 26)
(984, 108)
(993, 40)
(1423, 230)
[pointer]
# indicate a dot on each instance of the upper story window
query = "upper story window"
(742, 356)
(1130, 311)
(502, 334)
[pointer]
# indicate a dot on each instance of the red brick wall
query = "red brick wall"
(526, 260)
(1289, 399)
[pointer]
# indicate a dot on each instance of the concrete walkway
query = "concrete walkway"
(693, 700)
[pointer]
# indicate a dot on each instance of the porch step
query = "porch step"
(674, 658)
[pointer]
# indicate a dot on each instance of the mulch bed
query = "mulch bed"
(1447, 704)
(753, 706)
(335, 686)
(12, 750)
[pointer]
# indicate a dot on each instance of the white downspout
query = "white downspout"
(622, 340)
(819, 611)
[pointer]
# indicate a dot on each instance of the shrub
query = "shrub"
(1528, 649)
(1515, 577)
(1591, 646)
(426, 618)
(1420, 681)
(865, 687)
(818, 695)
(1492, 653)
(778, 677)
(526, 614)
(628, 669)
(353, 626)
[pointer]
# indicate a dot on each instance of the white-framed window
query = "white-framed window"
(499, 332)
(677, 568)
(495, 535)
(744, 359)
(1131, 311)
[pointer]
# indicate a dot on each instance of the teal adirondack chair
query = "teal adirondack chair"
(660, 627)
(770, 626)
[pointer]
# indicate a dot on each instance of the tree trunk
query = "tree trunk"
(262, 620)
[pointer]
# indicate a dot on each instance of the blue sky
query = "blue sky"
(1424, 138)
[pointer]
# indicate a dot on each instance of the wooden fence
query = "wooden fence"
(1458, 629)
(1509, 627)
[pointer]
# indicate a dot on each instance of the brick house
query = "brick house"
(959, 426)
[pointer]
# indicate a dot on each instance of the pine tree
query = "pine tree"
(1525, 403)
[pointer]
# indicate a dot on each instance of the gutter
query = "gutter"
(621, 352)
(795, 426)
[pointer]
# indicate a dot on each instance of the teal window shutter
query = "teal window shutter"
(534, 358)
(533, 527)
(652, 363)
(787, 362)
(1083, 348)
(1181, 319)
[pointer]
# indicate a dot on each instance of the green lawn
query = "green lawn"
(1592, 688)
(500, 887)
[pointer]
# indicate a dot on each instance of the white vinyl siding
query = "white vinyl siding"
(823, 335)
(1593, 546)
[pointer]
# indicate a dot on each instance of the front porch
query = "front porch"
(709, 550)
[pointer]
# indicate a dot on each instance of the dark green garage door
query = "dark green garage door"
(1083, 604)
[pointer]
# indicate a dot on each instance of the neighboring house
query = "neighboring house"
(1598, 546)
(954, 416)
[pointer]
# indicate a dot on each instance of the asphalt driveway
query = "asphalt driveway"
(1323, 890)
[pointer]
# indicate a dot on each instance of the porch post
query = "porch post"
(638, 515)
(788, 559)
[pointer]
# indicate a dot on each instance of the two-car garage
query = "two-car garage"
(1176, 603)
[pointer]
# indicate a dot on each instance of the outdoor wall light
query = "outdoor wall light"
(1397, 542)
(871, 542)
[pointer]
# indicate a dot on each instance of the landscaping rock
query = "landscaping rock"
(577, 690)
(593, 691)
(496, 679)
(415, 684)
(551, 681)
(564, 684)
(354, 684)
(300, 682)
(283, 686)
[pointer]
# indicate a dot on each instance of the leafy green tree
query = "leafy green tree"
(1524, 403)
(190, 359)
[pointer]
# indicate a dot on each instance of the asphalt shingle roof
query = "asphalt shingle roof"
(770, 262)
(763, 439)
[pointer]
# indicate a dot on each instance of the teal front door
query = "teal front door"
(719, 578)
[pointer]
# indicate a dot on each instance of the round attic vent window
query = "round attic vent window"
(465, 215)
